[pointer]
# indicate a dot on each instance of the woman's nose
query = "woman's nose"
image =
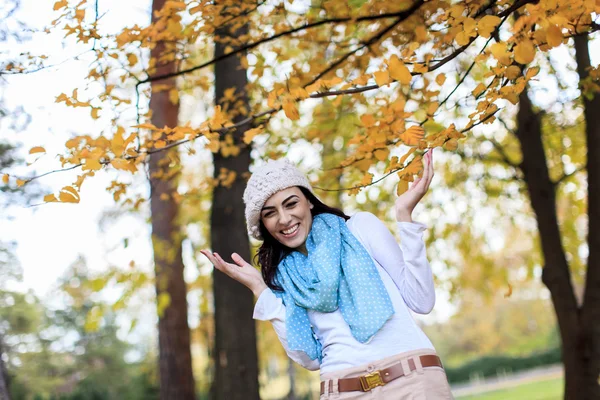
(284, 218)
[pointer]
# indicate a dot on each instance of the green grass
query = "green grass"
(541, 390)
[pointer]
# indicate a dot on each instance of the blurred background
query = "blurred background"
(90, 302)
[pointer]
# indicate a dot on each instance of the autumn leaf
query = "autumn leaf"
(5, 179)
(251, 133)
(132, 59)
(402, 187)
(554, 35)
(512, 72)
(440, 79)
(68, 194)
(487, 25)
(413, 135)
(60, 4)
(122, 164)
(382, 154)
(524, 52)
(290, 110)
(451, 144)
(21, 182)
(94, 112)
(382, 78)
(367, 120)
(37, 149)
(531, 72)
(399, 71)
(174, 96)
(50, 198)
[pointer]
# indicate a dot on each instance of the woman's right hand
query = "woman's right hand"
(243, 272)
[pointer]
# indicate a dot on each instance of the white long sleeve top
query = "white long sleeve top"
(407, 276)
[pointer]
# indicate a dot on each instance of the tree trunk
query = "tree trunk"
(4, 393)
(556, 275)
(175, 360)
(236, 359)
(590, 312)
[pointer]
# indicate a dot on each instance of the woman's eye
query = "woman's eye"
(267, 215)
(290, 205)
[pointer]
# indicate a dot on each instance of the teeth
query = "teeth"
(291, 230)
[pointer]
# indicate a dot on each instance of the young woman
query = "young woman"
(338, 289)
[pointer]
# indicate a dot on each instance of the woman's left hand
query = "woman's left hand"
(406, 203)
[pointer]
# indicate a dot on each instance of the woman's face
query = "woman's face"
(287, 217)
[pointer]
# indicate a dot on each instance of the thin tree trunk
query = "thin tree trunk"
(556, 274)
(4, 393)
(590, 313)
(236, 359)
(175, 361)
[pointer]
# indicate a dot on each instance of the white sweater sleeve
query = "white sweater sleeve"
(269, 307)
(406, 264)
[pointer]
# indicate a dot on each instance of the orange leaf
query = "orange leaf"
(399, 71)
(68, 194)
(37, 149)
(290, 110)
(413, 135)
(251, 133)
(21, 182)
(60, 4)
(487, 25)
(367, 120)
(524, 52)
(50, 198)
(440, 79)
(382, 78)
(402, 187)
(5, 178)
(554, 35)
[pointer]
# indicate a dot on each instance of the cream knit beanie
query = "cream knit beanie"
(267, 180)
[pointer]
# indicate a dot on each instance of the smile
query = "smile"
(291, 231)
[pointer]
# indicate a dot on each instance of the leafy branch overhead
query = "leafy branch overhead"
(399, 65)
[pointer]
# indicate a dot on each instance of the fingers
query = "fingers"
(239, 260)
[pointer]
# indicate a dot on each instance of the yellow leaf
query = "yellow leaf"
(531, 72)
(381, 154)
(451, 144)
(132, 59)
(363, 165)
(367, 120)
(367, 179)
(60, 4)
(50, 198)
(79, 15)
(5, 178)
(21, 182)
(413, 135)
(68, 194)
(554, 36)
(382, 78)
(251, 133)
(440, 79)
(37, 149)
(92, 164)
(524, 52)
(119, 163)
(402, 187)
(487, 25)
(159, 144)
(399, 71)
(478, 90)
(512, 72)
(174, 96)
(95, 111)
(290, 110)
(117, 144)
(500, 53)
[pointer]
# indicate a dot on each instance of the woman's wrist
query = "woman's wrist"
(259, 289)
(403, 216)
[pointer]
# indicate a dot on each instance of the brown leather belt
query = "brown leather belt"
(379, 378)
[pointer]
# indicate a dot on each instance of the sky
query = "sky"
(51, 236)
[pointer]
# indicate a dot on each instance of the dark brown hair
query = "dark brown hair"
(271, 252)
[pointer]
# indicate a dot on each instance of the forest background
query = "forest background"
(102, 207)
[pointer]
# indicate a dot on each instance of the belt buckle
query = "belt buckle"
(371, 381)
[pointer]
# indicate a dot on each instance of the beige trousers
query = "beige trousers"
(421, 384)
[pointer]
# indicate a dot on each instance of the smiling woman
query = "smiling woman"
(339, 290)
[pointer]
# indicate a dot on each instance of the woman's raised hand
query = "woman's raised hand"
(406, 203)
(241, 271)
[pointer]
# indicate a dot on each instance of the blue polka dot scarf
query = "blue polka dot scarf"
(337, 273)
